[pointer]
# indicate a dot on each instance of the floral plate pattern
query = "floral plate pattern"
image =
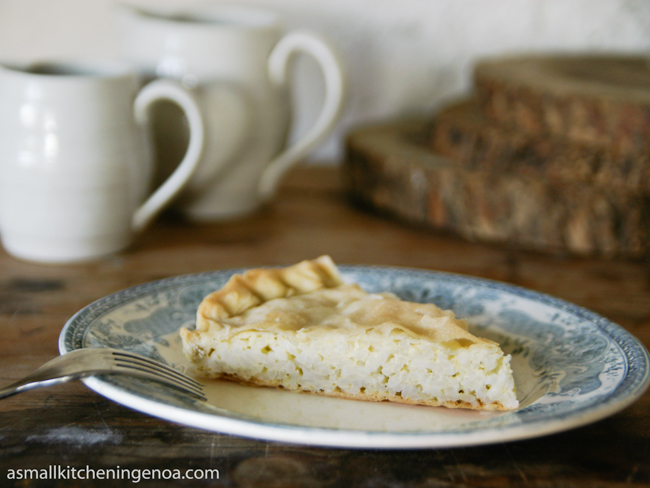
(571, 366)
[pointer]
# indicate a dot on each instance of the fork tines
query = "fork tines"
(140, 363)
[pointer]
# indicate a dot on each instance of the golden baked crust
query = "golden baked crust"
(256, 286)
(227, 307)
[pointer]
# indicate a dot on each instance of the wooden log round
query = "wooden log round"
(463, 133)
(598, 99)
(388, 168)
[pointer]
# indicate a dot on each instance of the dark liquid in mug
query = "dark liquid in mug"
(70, 69)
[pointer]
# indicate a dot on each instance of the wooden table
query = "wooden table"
(69, 425)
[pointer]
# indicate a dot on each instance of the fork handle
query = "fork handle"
(22, 385)
(47, 374)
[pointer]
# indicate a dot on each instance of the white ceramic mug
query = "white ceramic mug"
(236, 60)
(75, 164)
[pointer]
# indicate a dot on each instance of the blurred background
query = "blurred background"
(401, 56)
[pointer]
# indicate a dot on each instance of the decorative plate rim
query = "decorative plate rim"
(632, 386)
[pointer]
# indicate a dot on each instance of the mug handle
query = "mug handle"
(168, 90)
(309, 43)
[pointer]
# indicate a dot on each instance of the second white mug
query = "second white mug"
(236, 60)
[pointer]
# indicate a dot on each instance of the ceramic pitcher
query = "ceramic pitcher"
(236, 60)
(75, 164)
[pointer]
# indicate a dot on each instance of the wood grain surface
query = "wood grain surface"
(70, 425)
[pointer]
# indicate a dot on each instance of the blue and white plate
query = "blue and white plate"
(571, 366)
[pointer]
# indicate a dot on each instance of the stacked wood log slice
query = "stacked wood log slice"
(550, 153)
(603, 100)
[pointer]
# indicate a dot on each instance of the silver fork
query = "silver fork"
(93, 361)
